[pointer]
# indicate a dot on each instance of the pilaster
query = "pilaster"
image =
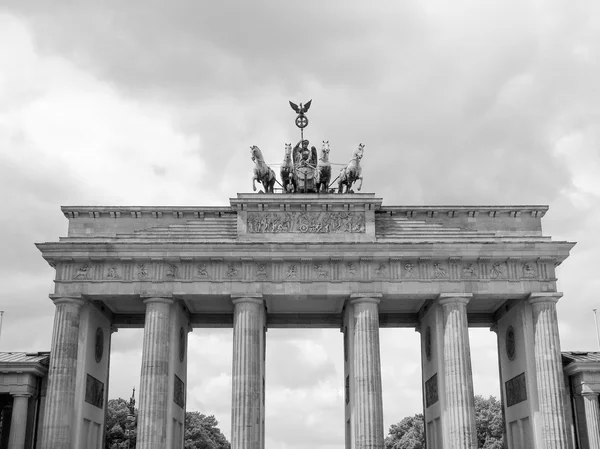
(247, 407)
(154, 379)
(366, 383)
(18, 423)
(459, 422)
(548, 364)
(62, 373)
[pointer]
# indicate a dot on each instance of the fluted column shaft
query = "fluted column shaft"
(548, 367)
(368, 425)
(18, 423)
(247, 382)
(592, 419)
(62, 372)
(459, 420)
(154, 379)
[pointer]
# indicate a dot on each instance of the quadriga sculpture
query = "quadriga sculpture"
(353, 172)
(324, 169)
(262, 172)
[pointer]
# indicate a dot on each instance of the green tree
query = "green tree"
(201, 432)
(409, 433)
(116, 425)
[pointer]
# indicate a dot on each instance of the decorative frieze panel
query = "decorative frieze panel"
(307, 269)
(431, 391)
(306, 222)
(516, 390)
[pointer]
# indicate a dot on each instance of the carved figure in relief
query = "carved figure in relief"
(202, 270)
(381, 271)
(261, 270)
(324, 169)
(321, 271)
(262, 172)
(112, 273)
(82, 272)
(292, 271)
(288, 177)
(469, 271)
(439, 272)
(528, 270)
(351, 269)
(353, 172)
(497, 271)
(142, 271)
(409, 270)
(232, 271)
(171, 271)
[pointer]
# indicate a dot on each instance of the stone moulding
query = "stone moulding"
(306, 222)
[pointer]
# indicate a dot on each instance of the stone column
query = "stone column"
(18, 422)
(459, 419)
(62, 372)
(154, 379)
(247, 376)
(368, 424)
(548, 367)
(592, 419)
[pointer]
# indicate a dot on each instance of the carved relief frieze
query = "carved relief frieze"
(306, 270)
(261, 271)
(305, 222)
(171, 271)
(409, 271)
(320, 271)
(142, 272)
(82, 272)
(528, 270)
(112, 273)
(498, 270)
(468, 271)
(351, 270)
(381, 271)
(233, 272)
(202, 271)
(439, 271)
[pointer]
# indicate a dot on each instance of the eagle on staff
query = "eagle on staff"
(301, 109)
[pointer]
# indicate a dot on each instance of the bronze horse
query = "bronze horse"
(288, 177)
(262, 172)
(353, 172)
(324, 169)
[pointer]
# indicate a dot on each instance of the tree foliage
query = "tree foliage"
(201, 431)
(410, 434)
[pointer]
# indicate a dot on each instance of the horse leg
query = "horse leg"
(253, 183)
(360, 185)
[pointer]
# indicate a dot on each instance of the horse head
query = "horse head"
(288, 151)
(325, 151)
(256, 154)
(358, 152)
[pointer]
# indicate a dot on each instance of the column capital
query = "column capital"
(357, 298)
(76, 300)
(589, 394)
(21, 395)
(454, 298)
(157, 299)
(250, 298)
(544, 297)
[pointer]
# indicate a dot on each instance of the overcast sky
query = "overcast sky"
(156, 103)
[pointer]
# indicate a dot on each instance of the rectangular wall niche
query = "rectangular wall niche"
(94, 391)
(516, 390)
(179, 392)
(431, 390)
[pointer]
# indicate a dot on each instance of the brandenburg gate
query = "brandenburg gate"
(300, 260)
